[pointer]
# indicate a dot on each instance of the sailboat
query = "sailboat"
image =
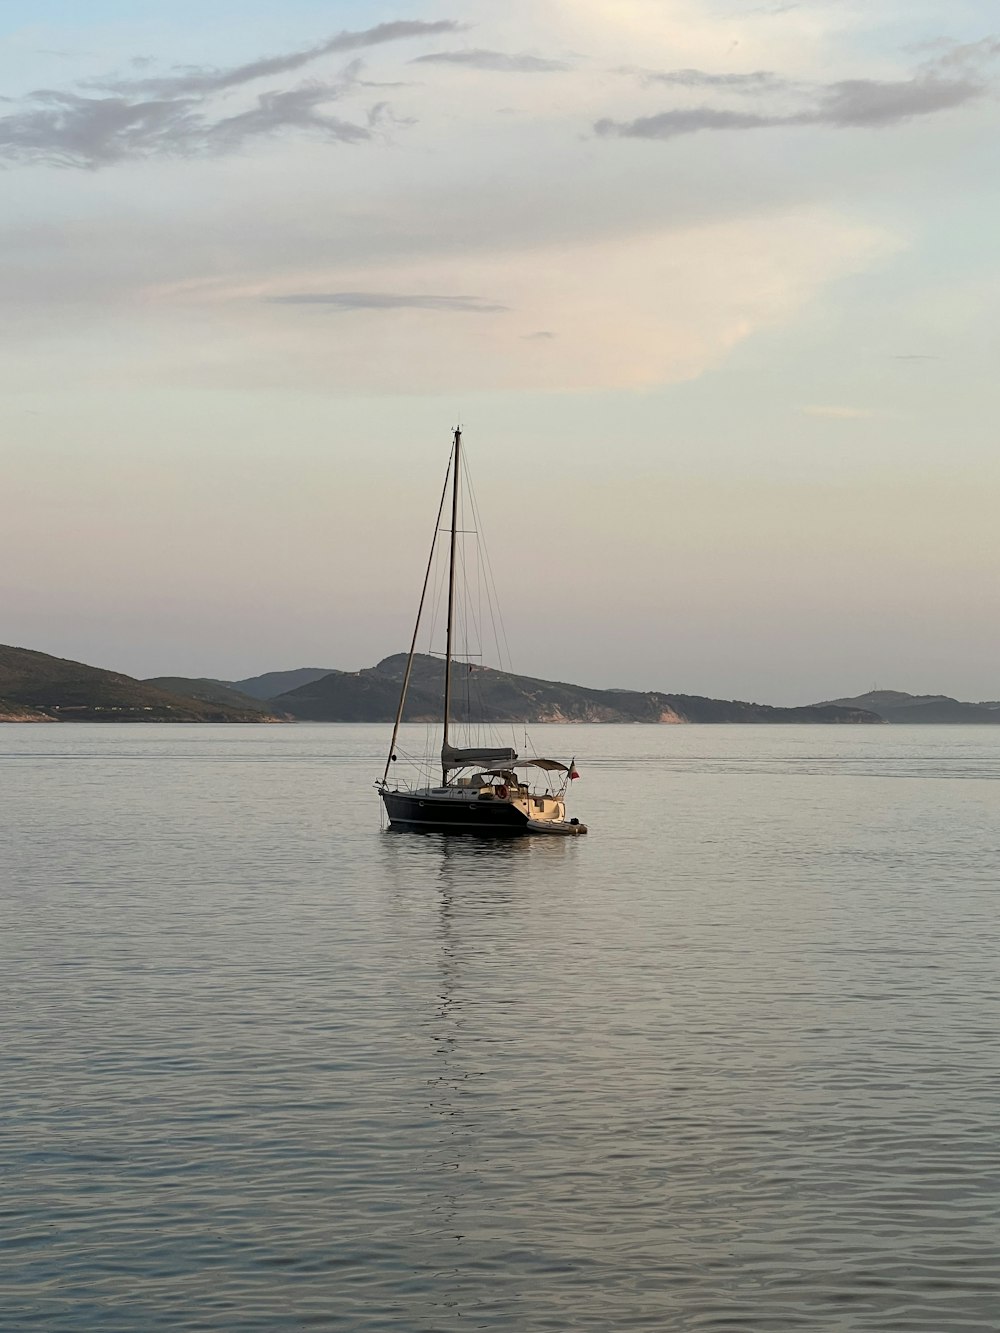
(483, 789)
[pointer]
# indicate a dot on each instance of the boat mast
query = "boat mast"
(457, 465)
(416, 627)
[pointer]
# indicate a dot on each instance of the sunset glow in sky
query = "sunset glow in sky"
(710, 283)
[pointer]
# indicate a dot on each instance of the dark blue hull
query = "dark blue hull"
(447, 815)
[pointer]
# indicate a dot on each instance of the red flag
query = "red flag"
(572, 772)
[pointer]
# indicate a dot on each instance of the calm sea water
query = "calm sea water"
(729, 1063)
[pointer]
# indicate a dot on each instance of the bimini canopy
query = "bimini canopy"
(476, 758)
(550, 765)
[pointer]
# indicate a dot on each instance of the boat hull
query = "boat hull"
(445, 815)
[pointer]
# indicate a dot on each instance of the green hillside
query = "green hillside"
(209, 691)
(484, 694)
(273, 683)
(67, 691)
(937, 709)
(362, 696)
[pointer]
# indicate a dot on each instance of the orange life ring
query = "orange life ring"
(502, 792)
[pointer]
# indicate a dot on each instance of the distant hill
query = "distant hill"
(60, 690)
(482, 693)
(899, 707)
(273, 683)
(209, 691)
(359, 696)
(36, 687)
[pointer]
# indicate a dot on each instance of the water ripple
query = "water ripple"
(728, 1064)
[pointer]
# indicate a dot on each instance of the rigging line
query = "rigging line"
(477, 684)
(495, 728)
(439, 584)
(482, 562)
(472, 691)
(472, 635)
(486, 732)
(416, 627)
(462, 606)
(440, 581)
(494, 600)
(471, 631)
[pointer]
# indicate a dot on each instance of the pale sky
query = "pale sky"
(712, 285)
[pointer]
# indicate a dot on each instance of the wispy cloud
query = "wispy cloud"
(201, 82)
(65, 129)
(299, 108)
(389, 301)
(868, 102)
(969, 57)
(497, 61)
(758, 80)
(685, 120)
(848, 104)
(175, 114)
